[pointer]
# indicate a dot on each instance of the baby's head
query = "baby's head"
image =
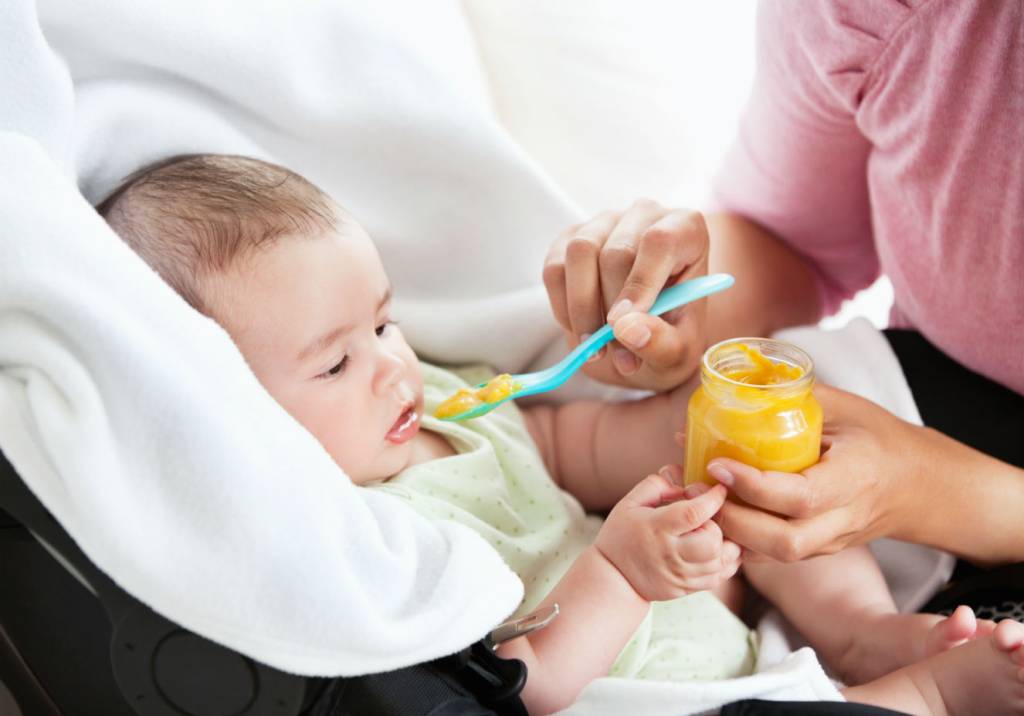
(299, 287)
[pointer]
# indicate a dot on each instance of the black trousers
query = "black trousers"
(965, 406)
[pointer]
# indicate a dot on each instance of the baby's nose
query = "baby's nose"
(390, 372)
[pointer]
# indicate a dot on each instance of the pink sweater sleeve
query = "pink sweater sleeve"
(799, 164)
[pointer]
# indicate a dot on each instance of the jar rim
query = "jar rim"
(804, 362)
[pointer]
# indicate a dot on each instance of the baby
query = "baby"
(299, 287)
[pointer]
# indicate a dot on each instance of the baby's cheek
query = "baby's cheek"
(336, 438)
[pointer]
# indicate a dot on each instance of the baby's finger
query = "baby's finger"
(701, 545)
(729, 569)
(687, 515)
(703, 583)
(732, 559)
(731, 552)
(653, 491)
(704, 569)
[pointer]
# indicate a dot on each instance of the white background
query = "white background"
(619, 100)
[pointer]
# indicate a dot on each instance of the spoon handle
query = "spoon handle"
(672, 297)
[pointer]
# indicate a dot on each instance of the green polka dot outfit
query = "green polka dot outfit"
(497, 485)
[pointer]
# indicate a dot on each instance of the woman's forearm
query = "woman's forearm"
(598, 613)
(963, 501)
(774, 285)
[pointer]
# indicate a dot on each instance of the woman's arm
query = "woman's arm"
(775, 287)
(973, 504)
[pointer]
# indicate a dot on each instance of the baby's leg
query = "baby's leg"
(842, 605)
(984, 677)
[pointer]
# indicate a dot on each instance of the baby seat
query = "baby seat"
(73, 642)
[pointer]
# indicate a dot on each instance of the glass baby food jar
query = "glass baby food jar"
(754, 405)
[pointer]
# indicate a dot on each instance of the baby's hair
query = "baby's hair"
(191, 216)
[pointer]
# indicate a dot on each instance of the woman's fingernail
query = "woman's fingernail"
(625, 362)
(721, 474)
(695, 490)
(635, 334)
(619, 310)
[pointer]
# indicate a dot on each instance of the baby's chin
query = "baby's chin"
(391, 461)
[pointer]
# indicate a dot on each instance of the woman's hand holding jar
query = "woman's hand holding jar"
(878, 476)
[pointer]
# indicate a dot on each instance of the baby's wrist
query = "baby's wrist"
(614, 574)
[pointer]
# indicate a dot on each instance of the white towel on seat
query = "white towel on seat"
(136, 421)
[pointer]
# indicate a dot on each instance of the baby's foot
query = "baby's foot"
(983, 677)
(887, 642)
(954, 630)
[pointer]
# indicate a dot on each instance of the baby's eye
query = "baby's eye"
(383, 328)
(335, 369)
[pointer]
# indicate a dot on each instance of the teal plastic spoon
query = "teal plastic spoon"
(553, 377)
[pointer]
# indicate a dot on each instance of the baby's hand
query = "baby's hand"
(662, 539)
(611, 268)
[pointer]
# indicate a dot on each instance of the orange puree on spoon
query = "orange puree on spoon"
(497, 388)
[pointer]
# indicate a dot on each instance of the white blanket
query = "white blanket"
(135, 420)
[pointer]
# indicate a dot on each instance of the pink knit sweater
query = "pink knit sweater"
(889, 136)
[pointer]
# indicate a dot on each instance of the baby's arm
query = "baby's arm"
(596, 450)
(647, 550)
(598, 613)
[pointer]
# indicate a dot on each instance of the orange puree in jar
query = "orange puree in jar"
(496, 389)
(754, 405)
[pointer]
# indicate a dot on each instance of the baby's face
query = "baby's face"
(312, 318)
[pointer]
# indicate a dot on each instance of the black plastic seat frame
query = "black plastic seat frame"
(73, 642)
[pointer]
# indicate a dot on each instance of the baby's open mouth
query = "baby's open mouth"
(407, 425)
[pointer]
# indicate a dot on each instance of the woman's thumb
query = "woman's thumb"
(651, 339)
